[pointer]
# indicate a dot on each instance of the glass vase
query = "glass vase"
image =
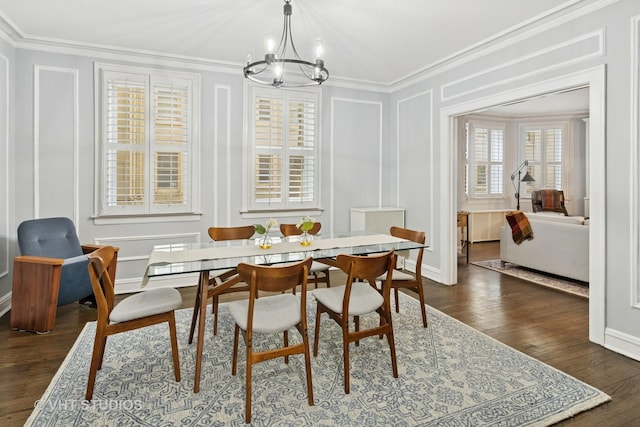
(265, 242)
(305, 239)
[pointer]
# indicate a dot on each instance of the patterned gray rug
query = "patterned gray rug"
(450, 375)
(574, 287)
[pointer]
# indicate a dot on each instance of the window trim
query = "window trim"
(192, 210)
(249, 209)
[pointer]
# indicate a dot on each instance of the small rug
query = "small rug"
(575, 287)
(449, 375)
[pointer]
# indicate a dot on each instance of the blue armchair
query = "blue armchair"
(51, 271)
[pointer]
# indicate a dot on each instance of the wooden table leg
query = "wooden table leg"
(203, 289)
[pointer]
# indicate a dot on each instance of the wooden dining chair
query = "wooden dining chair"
(405, 279)
(221, 234)
(272, 314)
(355, 299)
(319, 272)
(145, 308)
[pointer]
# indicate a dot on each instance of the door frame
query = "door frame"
(593, 78)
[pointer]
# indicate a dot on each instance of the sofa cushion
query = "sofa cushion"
(556, 217)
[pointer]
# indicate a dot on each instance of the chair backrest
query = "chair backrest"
(99, 261)
(548, 200)
(414, 236)
(231, 233)
(293, 230)
(275, 278)
(49, 237)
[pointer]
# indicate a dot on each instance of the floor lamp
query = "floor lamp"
(526, 178)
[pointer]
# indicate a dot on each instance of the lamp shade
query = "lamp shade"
(527, 178)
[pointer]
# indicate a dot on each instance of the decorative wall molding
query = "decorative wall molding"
(634, 169)
(218, 89)
(38, 71)
(335, 100)
(4, 147)
(570, 50)
(430, 115)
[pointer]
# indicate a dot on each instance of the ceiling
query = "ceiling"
(373, 41)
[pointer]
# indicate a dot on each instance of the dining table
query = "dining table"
(205, 257)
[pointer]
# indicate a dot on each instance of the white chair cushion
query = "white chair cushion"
(271, 314)
(364, 299)
(146, 303)
(397, 275)
(317, 267)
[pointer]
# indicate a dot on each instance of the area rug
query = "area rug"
(575, 287)
(449, 375)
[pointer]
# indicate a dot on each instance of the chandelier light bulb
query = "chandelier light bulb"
(318, 49)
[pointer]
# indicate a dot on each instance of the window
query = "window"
(283, 149)
(147, 141)
(485, 160)
(543, 147)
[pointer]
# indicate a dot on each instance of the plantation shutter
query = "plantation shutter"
(170, 146)
(487, 160)
(126, 116)
(284, 152)
(147, 143)
(543, 149)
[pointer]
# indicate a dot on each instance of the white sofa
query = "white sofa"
(560, 246)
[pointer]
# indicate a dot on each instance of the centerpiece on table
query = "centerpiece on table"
(265, 241)
(306, 224)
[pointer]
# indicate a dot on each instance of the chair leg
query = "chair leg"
(345, 358)
(286, 344)
(397, 302)
(422, 305)
(194, 316)
(174, 345)
(392, 348)
(96, 361)
(356, 321)
(214, 307)
(248, 384)
(307, 363)
(317, 331)
(234, 366)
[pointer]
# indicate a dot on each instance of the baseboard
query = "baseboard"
(5, 304)
(622, 343)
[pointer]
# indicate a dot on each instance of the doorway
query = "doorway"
(594, 79)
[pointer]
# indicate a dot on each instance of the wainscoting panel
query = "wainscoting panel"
(4, 161)
(56, 146)
(634, 226)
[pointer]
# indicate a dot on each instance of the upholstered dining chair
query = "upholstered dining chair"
(221, 234)
(548, 200)
(51, 271)
(356, 299)
(272, 314)
(143, 309)
(405, 279)
(319, 272)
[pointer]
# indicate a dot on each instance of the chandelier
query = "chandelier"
(271, 70)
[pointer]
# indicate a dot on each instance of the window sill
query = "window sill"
(280, 213)
(146, 219)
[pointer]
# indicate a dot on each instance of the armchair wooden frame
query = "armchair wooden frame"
(33, 308)
(99, 263)
(367, 268)
(272, 279)
(221, 234)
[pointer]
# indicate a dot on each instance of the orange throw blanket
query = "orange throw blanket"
(520, 227)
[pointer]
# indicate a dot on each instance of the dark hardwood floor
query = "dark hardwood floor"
(548, 325)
